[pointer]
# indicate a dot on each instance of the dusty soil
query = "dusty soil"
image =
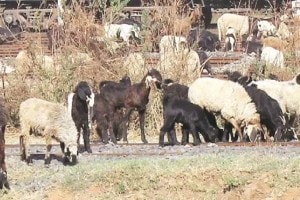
(39, 182)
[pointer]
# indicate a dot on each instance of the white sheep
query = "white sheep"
(49, 120)
(266, 28)
(171, 43)
(284, 92)
(238, 22)
(272, 57)
(124, 30)
(230, 100)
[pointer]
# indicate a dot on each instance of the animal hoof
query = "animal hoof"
(89, 151)
(145, 141)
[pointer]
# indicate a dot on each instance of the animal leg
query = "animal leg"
(185, 136)
(167, 127)
(142, 125)
(237, 128)
(124, 124)
(86, 138)
(48, 149)
(195, 135)
(26, 149)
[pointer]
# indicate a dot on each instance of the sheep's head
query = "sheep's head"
(3, 179)
(253, 129)
(71, 153)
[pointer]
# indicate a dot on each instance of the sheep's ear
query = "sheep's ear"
(81, 94)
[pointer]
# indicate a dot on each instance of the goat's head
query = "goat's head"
(126, 80)
(3, 179)
(85, 93)
(153, 76)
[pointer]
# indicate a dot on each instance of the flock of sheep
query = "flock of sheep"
(257, 110)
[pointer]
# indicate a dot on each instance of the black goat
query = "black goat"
(179, 91)
(80, 104)
(134, 97)
(101, 111)
(3, 122)
(270, 112)
(192, 118)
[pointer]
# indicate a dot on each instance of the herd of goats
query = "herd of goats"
(252, 110)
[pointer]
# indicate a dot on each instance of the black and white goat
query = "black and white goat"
(80, 104)
(230, 39)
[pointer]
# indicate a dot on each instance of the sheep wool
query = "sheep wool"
(225, 97)
(48, 120)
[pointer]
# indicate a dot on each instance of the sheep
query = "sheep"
(124, 30)
(49, 120)
(230, 39)
(272, 57)
(252, 47)
(171, 43)
(191, 116)
(234, 105)
(238, 22)
(80, 104)
(183, 25)
(134, 97)
(283, 31)
(101, 111)
(284, 92)
(265, 28)
(3, 122)
(268, 108)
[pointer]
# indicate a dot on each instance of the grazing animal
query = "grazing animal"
(191, 116)
(3, 122)
(268, 108)
(230, 39)
(238, 22)
(285, 93)
(124, 31)
(134, 97)
(102, 110)
(235, 106)
(80, 104)
(252, 47)
(272, 57)
(203, 39)
(265, 28)
(49, 120)
(171, 43)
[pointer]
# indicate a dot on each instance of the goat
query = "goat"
(191, 116)
(134, 97)
(3, 122)
(101, 110)
(80, 104)
(230, 39)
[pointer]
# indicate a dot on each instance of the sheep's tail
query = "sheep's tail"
(70, 102)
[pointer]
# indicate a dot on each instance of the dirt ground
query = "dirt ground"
(203, 176)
